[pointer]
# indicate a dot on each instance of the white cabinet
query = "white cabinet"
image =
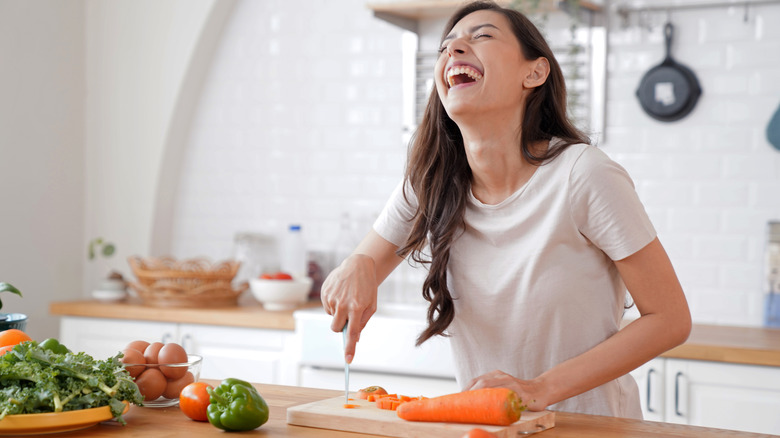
(103, 338)
(721, 395)
(711, 394)
(650, 379)
(256, 355)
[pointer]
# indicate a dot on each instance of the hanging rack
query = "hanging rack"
(625, 10)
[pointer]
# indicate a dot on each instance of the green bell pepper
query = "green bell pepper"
(54, 346)
(236, 405)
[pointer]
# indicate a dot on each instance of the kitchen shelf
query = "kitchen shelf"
(427, 9)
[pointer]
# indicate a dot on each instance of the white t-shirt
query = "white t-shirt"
(532, 277)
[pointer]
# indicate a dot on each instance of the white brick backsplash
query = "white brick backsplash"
(698, 275)
(694, 220)
(667, 193)
(721, 248)
(300, 119)
(727, 195)
(743, 276)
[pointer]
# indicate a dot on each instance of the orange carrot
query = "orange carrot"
(479, 433)
(369, 391)
(390, 403)
(499, 406)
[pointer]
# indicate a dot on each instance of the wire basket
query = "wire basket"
(166, 282)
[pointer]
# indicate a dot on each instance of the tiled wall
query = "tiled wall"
(710, 181)
(301, 120)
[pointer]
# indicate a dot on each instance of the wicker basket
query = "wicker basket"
(165, 282)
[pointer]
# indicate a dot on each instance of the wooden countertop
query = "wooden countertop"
(248, 313)
(720, 343)
(731, 344)
(171, 423)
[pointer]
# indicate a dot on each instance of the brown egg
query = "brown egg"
(172, 353)
(151, 352)
(151, 383)
(134, 357)
(138, 345)
(175, 386)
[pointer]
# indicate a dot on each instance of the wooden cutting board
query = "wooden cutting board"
(367, 418)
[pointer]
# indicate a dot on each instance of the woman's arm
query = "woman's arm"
(665, 322)
(350, 291)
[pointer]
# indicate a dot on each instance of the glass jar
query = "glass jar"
(772, 275)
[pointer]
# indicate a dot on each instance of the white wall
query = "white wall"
(42, 93)
(299, 121)
(710, 181)
(93, 94)
(139, 56)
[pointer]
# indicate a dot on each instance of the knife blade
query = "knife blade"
(346, 364)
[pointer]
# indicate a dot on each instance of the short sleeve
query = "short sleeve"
(606, 207)
(394, 222)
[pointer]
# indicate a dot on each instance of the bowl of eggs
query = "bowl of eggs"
(160, 370)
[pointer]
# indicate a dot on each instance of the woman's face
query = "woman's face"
(481, 67)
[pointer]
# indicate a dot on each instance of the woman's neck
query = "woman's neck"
(497, 163)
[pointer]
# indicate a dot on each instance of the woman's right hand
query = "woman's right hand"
(349, 293)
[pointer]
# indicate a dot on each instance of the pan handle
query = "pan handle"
(668, 33)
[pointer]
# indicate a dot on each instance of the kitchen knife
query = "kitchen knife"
(346, 364)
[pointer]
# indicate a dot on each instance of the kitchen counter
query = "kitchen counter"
(170, 422)
(731, 344)
(248, 313)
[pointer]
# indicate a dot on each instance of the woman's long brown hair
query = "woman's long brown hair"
(439, 174)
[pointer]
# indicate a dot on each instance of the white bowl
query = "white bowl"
(109, 294)
(281, 294)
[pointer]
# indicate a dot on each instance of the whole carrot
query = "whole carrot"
(498, 406)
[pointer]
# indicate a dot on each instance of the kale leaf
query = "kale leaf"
(36, 380)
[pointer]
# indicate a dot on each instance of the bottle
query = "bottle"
(772, 276)
(293, 253)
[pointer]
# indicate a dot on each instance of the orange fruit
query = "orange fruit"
(6, 349)
(13, 337)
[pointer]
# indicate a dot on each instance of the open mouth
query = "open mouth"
(462, 74)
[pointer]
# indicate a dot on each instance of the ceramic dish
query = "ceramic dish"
(35, 424)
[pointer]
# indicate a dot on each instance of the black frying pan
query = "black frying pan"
(670, 90)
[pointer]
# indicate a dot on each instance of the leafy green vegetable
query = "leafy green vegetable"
(6, 287)
(34, 379)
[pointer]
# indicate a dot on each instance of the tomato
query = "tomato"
(194, 400)
(282, 276)
(267, 277)
(371, 390)
(13, 337)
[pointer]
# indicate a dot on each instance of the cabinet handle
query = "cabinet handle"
(166, 337)
(677, 394)
(650, 373)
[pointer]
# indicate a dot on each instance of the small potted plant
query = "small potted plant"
(113, 287)
(11, 320)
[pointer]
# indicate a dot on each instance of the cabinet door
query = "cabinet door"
(650, 379)
(255, 355)
(103, 338)
(325, 378)
(726, 396)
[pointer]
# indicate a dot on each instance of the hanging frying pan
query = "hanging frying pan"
(670, 90)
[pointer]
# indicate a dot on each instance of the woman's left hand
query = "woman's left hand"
(530, 391)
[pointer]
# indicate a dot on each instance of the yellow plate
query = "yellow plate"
(34, 424)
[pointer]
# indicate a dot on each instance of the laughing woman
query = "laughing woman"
(532, 237)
